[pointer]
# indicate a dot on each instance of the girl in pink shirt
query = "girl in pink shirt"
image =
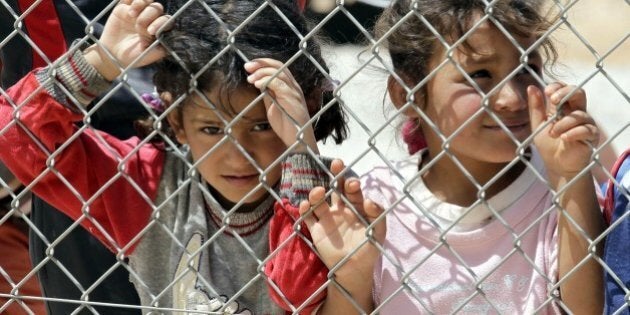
(495, 210)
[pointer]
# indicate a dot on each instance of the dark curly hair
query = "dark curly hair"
(210, 40)
(411, 43)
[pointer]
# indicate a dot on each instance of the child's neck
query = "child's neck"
(227, 204)
(449, 183)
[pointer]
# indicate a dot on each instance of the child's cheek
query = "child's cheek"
(462, 114)
(467, 106)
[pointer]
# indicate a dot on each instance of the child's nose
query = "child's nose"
(512, 96)
(238, 147)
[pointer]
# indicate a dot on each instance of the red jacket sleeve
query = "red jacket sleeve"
(105, 184)
(295, 269)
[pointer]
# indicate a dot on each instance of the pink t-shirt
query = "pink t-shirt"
(480, 265)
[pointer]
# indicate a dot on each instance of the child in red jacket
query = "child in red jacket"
(192, 219)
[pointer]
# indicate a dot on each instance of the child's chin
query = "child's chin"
(506, 156)
(255, 199)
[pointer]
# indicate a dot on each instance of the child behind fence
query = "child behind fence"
(192, 220)
(494, 209)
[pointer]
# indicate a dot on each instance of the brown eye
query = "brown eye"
(262, 126)
(480, 74)
(210, 130)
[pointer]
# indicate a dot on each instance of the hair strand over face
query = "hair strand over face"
(411, 44)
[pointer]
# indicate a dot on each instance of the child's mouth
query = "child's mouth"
(516, 127)
(241, 180)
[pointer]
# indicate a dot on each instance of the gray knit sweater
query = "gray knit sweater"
(188, 260)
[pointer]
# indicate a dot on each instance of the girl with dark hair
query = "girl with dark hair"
(245, 96)
(495, 210)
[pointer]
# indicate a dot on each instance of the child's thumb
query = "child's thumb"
(536, 102)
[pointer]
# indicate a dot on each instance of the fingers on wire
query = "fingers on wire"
(314, 208)
(146, 17)
(573, 124)
(565, 97)
(137, 6)
(266, 73)
(159, 24)
(572, 120)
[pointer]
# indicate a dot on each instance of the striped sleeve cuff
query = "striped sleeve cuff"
(76, 76)
(301, 173)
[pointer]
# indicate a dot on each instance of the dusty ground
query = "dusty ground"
(602, 24)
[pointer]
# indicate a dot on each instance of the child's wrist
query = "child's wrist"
(306, 144)
(101, 62)
(359, 289)
(570, 183)
(558, 179)
(303, 147)
(77, 76)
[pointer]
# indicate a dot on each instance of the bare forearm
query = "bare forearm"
(582, 290)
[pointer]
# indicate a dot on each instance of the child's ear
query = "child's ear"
(174, 118)
(398, 95)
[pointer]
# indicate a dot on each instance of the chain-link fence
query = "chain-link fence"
(200, 215)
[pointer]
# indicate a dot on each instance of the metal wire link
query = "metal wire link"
(361, 71)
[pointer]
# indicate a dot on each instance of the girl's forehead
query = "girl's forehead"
(487, 41)
(218, 105)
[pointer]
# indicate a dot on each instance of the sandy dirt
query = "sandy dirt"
(602, 24)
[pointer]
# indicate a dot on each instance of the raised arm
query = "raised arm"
(295, 271)
(77, 170)
(128, 38)
(565, 146)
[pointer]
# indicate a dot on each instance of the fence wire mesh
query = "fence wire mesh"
(177, 222)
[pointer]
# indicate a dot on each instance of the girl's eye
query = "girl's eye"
(480, 74)
(212, 130)
(262, 126)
